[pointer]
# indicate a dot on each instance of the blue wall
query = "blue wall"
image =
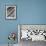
(28, 12)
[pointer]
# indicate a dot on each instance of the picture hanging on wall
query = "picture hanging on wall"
(10, 11)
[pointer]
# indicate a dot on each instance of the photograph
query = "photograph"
(10, 12)
(29, 33)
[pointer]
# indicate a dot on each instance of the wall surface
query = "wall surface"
(28, 12)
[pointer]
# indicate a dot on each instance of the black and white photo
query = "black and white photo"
(10, 12)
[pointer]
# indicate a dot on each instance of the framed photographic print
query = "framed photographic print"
(33, 32)
(10, 11)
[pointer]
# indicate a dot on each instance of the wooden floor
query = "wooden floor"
(30, 43)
